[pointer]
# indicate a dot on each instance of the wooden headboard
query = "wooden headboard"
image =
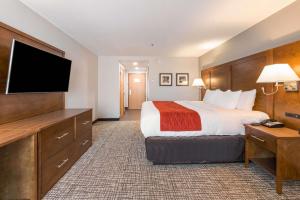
(19, 106)
(242, 74)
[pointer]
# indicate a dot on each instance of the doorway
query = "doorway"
(133, 87)
(136, 90)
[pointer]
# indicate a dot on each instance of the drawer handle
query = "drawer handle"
(62, 136)
(62, 163)
(85, 123)
(85, 142)
(257, 138)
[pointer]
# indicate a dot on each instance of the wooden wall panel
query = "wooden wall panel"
(18, 106)
(5, 44)
(220, 77)
(245, 73)
(205, 75)
(288, 101)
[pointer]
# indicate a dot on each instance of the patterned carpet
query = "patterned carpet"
(115, 167)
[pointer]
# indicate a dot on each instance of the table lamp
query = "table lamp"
(198, 82)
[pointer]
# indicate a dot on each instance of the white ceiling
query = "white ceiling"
(177, 28)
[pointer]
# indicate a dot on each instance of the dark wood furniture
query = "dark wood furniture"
(275, 149)
(50, 145)
(39, 139)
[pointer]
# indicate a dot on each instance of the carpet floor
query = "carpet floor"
(115, 167)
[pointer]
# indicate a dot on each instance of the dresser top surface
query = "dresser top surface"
(17, 130)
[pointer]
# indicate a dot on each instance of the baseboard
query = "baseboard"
(94, 121)
(106, 119)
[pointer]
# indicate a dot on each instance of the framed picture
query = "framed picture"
(182, 79)
(165, 79)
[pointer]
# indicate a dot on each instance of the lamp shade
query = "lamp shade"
(277, 73)
(198, 82)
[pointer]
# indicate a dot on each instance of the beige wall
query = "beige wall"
(83, 81)
(108, 81)
(281, 28)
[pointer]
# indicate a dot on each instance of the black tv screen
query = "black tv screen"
(34, 70)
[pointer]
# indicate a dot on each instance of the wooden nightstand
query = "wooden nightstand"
(275, 149)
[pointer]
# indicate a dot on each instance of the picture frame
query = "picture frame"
(182, 79)
(165, 79)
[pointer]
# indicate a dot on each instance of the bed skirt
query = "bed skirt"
(199, 149)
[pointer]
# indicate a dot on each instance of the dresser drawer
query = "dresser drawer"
(55, 167)
(57, 137)
(262, 139)
(83, 145)
(84, 125)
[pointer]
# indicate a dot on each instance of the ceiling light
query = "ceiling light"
(136, 68)
(135, 63)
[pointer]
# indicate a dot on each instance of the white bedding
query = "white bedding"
(214, 120)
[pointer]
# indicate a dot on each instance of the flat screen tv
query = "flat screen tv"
(36, 71)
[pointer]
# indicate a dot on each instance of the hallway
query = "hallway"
(131, 115)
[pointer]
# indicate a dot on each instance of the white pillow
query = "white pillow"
(210, 96)
(247, 100)
(228, 99)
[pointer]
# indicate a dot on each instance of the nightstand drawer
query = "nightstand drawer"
(262, 139)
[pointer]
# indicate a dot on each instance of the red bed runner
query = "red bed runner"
(175, 117)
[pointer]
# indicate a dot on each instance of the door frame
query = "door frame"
(146, 86)
(122, 107)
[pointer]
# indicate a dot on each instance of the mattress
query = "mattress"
(214, 120)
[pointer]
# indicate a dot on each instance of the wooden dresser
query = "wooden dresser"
(39, 139)
(53, 142)
(275, 149)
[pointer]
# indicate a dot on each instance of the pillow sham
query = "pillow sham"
(228, 99)
(247, 100)
(210, 96)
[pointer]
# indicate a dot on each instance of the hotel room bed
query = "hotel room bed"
(221, 138)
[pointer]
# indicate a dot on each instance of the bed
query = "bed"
(220, 140)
